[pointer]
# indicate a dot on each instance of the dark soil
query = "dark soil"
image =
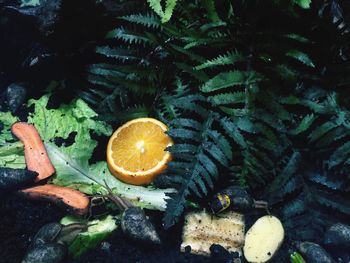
(20, 219)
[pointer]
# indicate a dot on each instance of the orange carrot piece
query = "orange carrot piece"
(74, 201)
(35, 153)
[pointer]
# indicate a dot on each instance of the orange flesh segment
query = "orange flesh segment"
(136, 151)
(35, 153)
(139, 147)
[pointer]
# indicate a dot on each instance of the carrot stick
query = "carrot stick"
(74, 201)
(35, 153)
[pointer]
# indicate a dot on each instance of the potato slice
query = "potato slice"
(201, 230)
(263, 239)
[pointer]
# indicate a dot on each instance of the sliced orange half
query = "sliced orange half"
(136, 151)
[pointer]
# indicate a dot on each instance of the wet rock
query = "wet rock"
(106, 247)
(52, 239)
(14, 179)
(46, 14)
(338, 235)
(220, 255)
(47, 234)
(136, 225)
(314, 253)
(47, 253)
(15, 95)
(341, 255)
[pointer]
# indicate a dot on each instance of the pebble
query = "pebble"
(14, 96)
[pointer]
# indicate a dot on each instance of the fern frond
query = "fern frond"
(207, 148)
(128, 37)
(212, 14)
(169, 9)
(109, 76)
(157, 8)
(340, 155)
(147, 20)
(301, 56)
(229, 79)
(230, 58)
(227, 98)
(304, 124)
(124, 55)
(193, 42)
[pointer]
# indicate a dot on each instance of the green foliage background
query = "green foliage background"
(255, 92)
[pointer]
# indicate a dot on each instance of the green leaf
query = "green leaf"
(202, 149)
(321, 130)
(286, 72)
(224, 80)
(230, 78)
(301, 56)
(295, 257)
(91, 180)
(228, 59)
(77, 117)
(305, 123)
(303, 3)
(11, 156)
(11, 153)
(148, 20)
(288, 171)
(227, 98)
(340, 155)
(212, 14)
(6, 121)
(97, 231)
(117, 53)
(157, 8)
(128, 37)
(169, 9)
(233, 131)
(298, 38)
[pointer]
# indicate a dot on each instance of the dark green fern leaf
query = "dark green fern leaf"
(208, 150)
(147, 20)
(228, 59)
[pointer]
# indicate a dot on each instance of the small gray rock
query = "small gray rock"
(314, 253)
(14, 179)
(47, 14)
(338, 235)
(106, 247)
(136, 225)
(15, 96)
(47, 234)
(47, 253)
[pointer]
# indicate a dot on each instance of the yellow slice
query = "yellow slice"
(136, 151)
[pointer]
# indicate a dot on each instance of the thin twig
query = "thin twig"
(122, 203)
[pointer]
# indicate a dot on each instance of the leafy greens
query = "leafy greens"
(11, 154)
(97, 231)
(71, 162)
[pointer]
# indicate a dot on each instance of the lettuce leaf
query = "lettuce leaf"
(11, 153)
(95, 234)
(71, 160)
